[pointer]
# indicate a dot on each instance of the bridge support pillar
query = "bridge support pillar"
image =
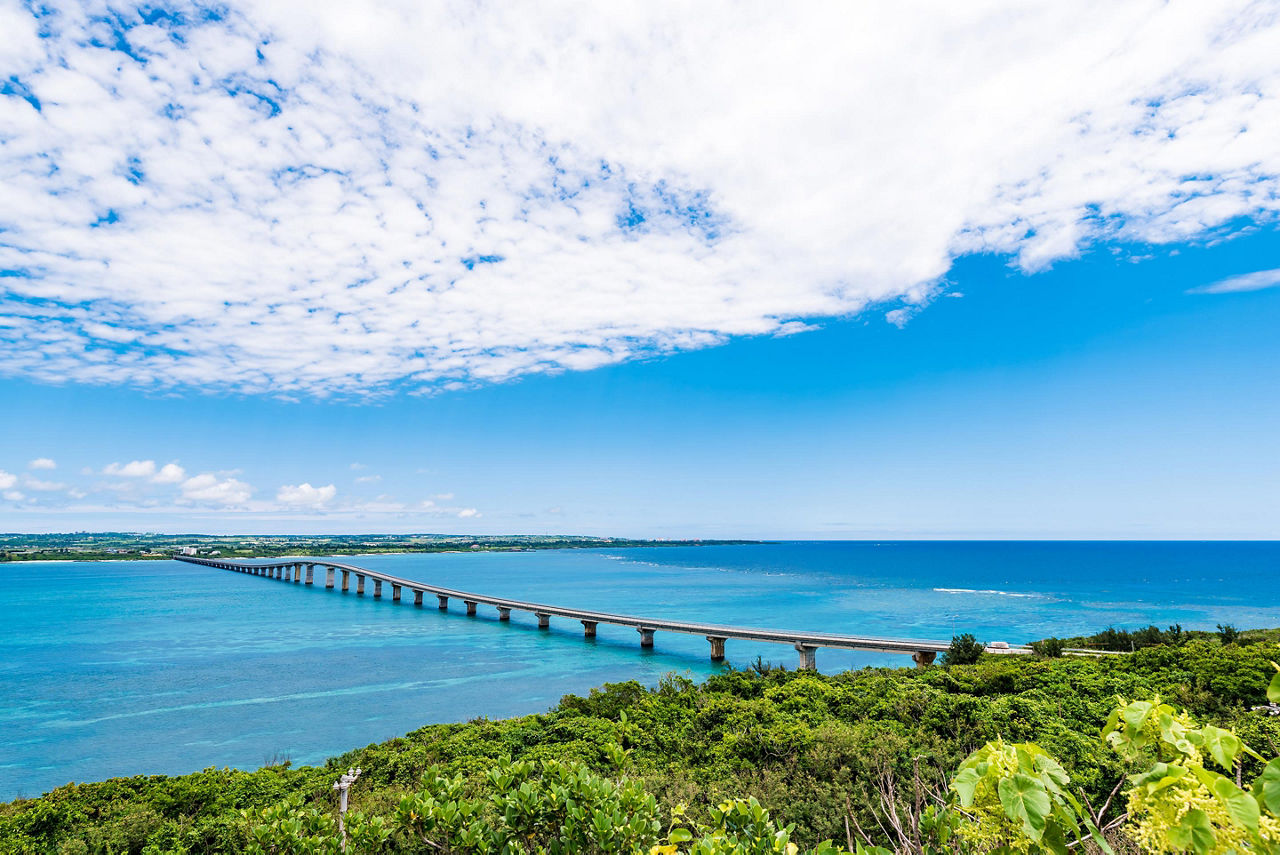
(443, 602)
(646, 636)
(924, 658)
(504, 613)
(297, 573)
(544, 620)
(377, 589)
(808, 658)
(717, 648)
(417, 598)
(328, 577)
(395, 593)
(346, 581)
(274, 572)
(311, 569)
(589, 629)
(360, 584)
(471, 608)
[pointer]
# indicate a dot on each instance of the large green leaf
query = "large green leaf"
(1222, 745)
(1268, 786)
(1025, 800)
(1241, 807)
(964, 783)
(1194, 833)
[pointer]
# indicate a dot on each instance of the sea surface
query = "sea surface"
(162, 667)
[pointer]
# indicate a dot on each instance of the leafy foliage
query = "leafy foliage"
(551, 807)
(964, 650)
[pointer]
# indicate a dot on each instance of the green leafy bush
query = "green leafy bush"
(964, 650)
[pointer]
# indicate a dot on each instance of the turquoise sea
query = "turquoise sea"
(121, 668)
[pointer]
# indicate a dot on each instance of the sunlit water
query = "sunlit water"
(123, 668)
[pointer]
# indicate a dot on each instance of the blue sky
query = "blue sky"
(1098, 399)
(664, 271)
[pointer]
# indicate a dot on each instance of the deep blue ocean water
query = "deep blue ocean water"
(121, 668)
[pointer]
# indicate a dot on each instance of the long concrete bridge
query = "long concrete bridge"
(303, 571)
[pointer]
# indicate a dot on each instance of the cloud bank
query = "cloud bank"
(326, 199)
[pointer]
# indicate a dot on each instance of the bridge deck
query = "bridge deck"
(921, 649)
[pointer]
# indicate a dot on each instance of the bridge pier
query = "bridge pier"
(544, 620)
(297, 573)
(395, 593)
(471, 607)
(311, 569)
(360, 584)
(589, 629)
(346, 581)
(646, 636)
(808, 659)
(417, 597)
(924, 658)
(328, 577)
(504, 613)
(443, 602)
(377, 589)
(717, 648)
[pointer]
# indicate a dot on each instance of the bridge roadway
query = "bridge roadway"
(805, 643)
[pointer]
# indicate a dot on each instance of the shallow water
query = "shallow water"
(120, 668)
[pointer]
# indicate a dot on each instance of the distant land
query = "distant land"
(117, 545)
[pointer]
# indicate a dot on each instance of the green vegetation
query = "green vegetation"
(100, 546)
(871, 756)
(1126, 641)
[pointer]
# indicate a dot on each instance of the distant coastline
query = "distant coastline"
(129, 546)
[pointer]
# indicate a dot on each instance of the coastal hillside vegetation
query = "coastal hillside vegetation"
(1170, 748)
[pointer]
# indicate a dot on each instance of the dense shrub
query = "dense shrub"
(964, 650)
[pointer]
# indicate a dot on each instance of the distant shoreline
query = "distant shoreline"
(34, 549)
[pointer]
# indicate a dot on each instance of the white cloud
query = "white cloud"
(1256, 281)
(170, 473)
(42, 463)
(467, 513)
(132, 469)
(304, 495)
(14, 495)
(420, 197)
(211, 489)
(43, 486)
(7, 480)
(368, 479)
